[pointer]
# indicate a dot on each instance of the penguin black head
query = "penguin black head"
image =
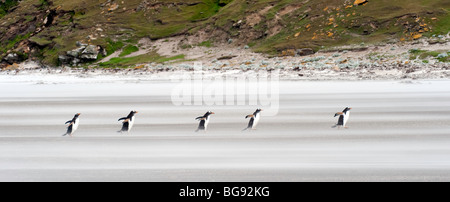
(347, 109)
(258, 110)
(209, 113)
(132, 113)
(77, 115)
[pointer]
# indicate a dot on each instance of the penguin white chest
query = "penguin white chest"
(206, 122)
(131, 123)
(76, 123)
(346, 116)
(256, 121)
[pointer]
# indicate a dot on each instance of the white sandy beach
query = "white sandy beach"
(399, 131)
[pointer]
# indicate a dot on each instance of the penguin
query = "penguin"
(204, 121)
(128, 122)
(343, 118)
(74, 123)
(254, 119)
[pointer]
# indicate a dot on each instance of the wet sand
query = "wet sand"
(398, 131)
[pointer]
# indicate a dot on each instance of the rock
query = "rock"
(237, 24)
(74, 54)
(227, 57)
(76, 61)
(442, 55)
(12, 58)
(435, 41)
(304, 52)
(360, 2)
(90, 53)
(113, 7)
(417, 36)
(80, 44)
(64, 59)
(246, 47)
(230, 41)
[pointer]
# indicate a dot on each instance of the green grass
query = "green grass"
(128, 50)
(113, 46)
(40, 41)
(442, 26)
(423, 54)
(5, 6)
(12, 43)
(177, 57)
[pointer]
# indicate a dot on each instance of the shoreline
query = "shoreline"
(410, 72)
(398, 61)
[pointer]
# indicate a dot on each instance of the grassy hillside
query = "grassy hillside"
(43, 29)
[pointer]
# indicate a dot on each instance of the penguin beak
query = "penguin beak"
(213, 113)
(78, 114)
(137, 112)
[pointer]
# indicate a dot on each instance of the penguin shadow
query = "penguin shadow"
(339, 127)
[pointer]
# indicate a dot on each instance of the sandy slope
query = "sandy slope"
(399, 131)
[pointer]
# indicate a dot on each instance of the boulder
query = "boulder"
(304, 52)
(73, 53)
(84, 53)
(76, 61)
(360, 2)
(64, 59)
(90, 53)
(12, 58)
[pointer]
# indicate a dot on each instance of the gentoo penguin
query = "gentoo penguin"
(74, 123)
(128, 122)
(343, 117)
(254, 119)
(204, 121)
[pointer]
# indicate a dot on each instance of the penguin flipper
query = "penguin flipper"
(250, 116)
(123, 118)
(68, 122)
(199, 118)
(338, 114)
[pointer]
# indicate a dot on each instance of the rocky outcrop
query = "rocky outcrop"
(304, 52)
(84, 53)
(360, 2)
(12, 58)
